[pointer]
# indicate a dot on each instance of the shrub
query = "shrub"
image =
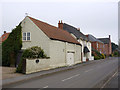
(116, 53)
(111, 55)
(11, 46)
(97, 55)
(30, 53)
(103, 56)
(34, 52)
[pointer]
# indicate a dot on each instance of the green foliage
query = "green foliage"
(34, 52)
(116, 53)
(114, 46)
(11, 46)
(111, 55)
(97, 55)
(103, 56)
(30, 53)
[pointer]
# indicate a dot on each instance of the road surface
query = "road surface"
(81, 77)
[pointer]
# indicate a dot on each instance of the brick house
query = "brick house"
(107, 45)
(96, 44)
(4, 37)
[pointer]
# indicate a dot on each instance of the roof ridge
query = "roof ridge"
(54, 32)
(76, 30)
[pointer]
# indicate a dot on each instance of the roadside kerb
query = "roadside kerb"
(43, 73)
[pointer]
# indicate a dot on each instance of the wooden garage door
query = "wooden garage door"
(70, 59)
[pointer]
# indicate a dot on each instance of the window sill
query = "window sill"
(27, 41)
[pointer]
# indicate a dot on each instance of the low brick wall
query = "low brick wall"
(35, 65)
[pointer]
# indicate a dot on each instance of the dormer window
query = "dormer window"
(26, 36)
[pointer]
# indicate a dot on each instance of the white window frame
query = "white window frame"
(26, 36)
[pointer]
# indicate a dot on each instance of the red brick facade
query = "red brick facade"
(98, 46)
(104, 47)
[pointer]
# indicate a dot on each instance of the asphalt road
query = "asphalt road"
(81, 77)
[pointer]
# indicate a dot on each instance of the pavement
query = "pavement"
(9, 72)
(85, 75)
(9, 80)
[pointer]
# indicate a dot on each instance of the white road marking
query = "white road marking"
(45, 87)
(109, 79)
(70, 77)
(89, 70)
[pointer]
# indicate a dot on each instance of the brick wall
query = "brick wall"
(98, 46)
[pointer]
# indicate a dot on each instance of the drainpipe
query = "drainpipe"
(81, 54)
(65, 54)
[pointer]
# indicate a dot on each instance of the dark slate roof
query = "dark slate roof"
(54, 33)
(104, 40)
(74, 31)
(93, 39)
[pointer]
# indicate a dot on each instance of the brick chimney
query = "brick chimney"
(60, 24)
(4, 32)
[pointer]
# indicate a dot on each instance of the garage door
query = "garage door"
(70, 59)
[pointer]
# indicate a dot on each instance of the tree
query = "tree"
(114, 46)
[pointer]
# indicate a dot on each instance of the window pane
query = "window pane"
(28, 38)
(24, 38)
(28, 34)
(24, 34)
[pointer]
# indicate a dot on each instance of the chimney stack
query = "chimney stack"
(78, 29)
(60, 24)
(109, 36)
(4, 32)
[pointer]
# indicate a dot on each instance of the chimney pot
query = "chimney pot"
(61, 21)
(109, 36)
(78, 29)
(60, 24)
(4, 32)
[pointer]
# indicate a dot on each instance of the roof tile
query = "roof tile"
(54, 33)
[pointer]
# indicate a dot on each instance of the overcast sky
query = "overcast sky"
(96, 17)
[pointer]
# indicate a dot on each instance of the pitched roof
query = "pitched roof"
(93, 39)
(54, 33)
(4, 37)
(104, 40)
(74, 31)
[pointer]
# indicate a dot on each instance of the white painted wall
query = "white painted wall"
(88, 44)
(57, 53)
(59, 50)
(56, 50)
(38, 38)
(32, 66)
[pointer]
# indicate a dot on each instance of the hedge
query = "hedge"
(11, 46)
